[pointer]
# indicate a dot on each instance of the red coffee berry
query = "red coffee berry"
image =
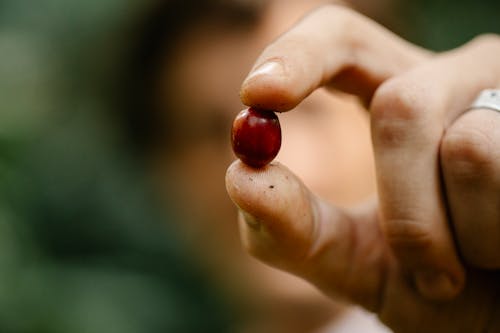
(256, 136)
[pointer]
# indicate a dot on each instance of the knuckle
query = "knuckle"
(334, 11)
(467, 153)
(396, 100)
(486, 40)
(408, 235)
(397, 107)
(343, 17)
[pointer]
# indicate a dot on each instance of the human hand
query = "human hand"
(396, 255)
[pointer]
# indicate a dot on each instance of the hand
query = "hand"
(396, 255)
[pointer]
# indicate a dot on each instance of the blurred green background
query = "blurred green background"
(84, 246)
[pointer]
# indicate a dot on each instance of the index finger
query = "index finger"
(335, 46)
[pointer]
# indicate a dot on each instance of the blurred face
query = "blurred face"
(325, 141)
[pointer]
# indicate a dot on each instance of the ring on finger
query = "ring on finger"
(487, 99)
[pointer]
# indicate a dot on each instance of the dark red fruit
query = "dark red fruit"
(256, 136)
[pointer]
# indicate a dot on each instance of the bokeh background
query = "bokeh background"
(89, 240)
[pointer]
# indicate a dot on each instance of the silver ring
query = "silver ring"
(487, 99)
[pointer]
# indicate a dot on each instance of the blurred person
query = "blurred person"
(191, 57)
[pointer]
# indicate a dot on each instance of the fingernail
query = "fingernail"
(271, 67)
(434, 285)
(250, 220)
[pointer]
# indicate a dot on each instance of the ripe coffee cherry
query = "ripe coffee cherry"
(256, 136)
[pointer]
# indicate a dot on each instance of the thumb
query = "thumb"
(283, 224)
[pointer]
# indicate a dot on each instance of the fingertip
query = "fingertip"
(268, 86)
(270, 200)
(247, 185)
(439, 286)
(426, 252)
(262, 192)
